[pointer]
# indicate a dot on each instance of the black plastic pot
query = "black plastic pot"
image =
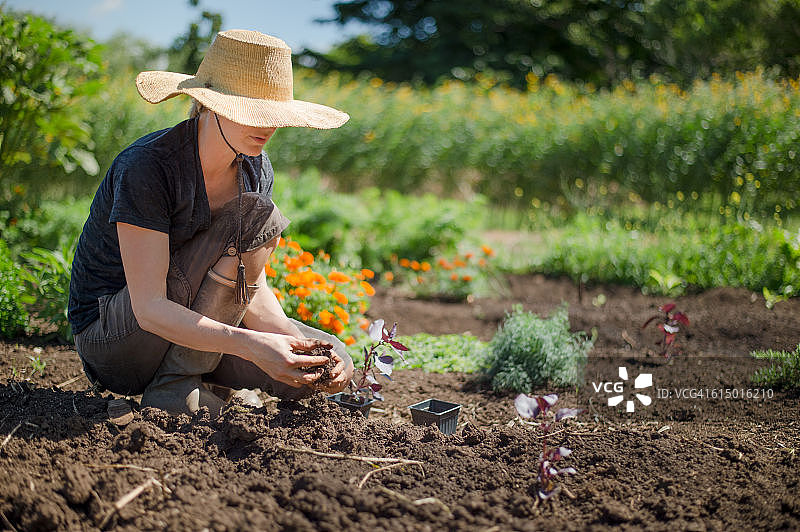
(343, 399)
(435, 412)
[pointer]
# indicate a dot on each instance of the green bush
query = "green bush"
(47, 75)
(784, 374)
(13, 314)
(529, 351)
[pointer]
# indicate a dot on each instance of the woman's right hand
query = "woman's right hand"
(276, 355)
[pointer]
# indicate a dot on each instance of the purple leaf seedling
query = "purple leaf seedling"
(376, 362)
(531, 408)
(669, 325)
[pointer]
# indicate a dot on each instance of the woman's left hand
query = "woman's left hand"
(341, 374)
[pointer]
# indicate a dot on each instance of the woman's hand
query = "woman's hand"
(341, 374)
(276, 355)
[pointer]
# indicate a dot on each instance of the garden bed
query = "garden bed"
(679, 463)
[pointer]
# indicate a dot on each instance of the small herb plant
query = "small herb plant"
(669, 325)
(375, 362)
(530, 351)
(531, 408)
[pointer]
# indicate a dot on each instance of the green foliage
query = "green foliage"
(435, 354)
(47, 74)
(13, 314)
(598, 42)
(366, 229)
(529, 351)
(783, 374)
(558, 148)
(49, 225)
(47, 277)
(682, 251)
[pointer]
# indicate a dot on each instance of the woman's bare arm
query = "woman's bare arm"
(145, 258)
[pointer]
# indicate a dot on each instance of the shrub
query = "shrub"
(13, 315)
(783, 374)
(529, 351)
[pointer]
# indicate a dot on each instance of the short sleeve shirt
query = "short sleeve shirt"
(155, 183)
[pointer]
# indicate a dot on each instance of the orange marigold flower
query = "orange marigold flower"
(389, 276)
(349, 340)
(326, 318)
(425, 266)
(306, 258)
(459, 263)
(467, 278)
(342, 313)
(367, 288)
(340, 297)
(369, 274)
(303, 312)
(338, 277)
(270, 271)
(337, 326)
(362, 306)
(420, 280)
(277, 293)
(482, 262)
(415, 265)
(405, 263)
(487, 250)
(454, 277)
(295, 246)
(281, 242)
(445, 265)
(363, 323)
(302, 292)
(468, 255)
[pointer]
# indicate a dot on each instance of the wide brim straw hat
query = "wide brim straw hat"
(245, 76)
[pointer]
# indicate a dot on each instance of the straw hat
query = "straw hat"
(245, 76)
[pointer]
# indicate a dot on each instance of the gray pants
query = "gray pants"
(121, 357)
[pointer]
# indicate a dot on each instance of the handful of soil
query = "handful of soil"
(324, 370)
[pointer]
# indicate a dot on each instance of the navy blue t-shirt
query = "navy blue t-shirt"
(155, 183)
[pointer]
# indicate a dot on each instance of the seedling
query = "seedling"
(531, 408)
(669, 325)
(37, 364)
(375, 362)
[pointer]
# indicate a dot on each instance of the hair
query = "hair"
(196, 108)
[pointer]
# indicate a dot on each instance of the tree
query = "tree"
(45, 74)
(187, 50)
(597, 41)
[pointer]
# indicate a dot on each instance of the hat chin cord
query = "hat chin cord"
(241, 285)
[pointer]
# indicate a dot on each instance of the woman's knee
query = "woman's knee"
(253, 261)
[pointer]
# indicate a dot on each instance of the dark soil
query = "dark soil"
(324, 371)
(680, 463)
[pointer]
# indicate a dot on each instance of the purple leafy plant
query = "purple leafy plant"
(376, 362)
(532, 407)
(669, 325)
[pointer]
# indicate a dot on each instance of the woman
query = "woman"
(171, 259)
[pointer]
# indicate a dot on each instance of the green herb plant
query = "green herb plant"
(783, 374)
(530, 351)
